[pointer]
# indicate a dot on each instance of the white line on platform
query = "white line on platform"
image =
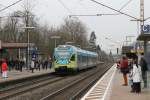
(107, 87)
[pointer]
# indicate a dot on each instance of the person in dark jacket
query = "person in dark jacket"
(144, 69)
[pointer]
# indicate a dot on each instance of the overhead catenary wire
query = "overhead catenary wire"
(4, 6)
(106, 14)
(125, 5)
(93, 15)
(146, 18)
(63, 4)
(114, 9)
(10, 5)
(112, 40)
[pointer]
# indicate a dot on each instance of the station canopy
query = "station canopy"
(14, 45)
(136, 47)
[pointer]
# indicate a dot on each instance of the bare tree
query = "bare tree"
(10, 30)
(75, 30)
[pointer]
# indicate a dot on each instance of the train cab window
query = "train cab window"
(73, 57)
(54, 58)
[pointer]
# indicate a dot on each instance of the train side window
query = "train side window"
(73, 57)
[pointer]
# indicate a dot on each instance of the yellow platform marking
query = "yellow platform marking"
(9, 78)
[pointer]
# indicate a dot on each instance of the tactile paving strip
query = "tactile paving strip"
(102, 89)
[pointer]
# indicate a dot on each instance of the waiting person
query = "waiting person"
(124, 69)
(130, 79)
(144, 69)
(32, 66)
(45, 64)
(136, 77)
(39, 64)
(21, 63)
(4, 69)
(50, 62)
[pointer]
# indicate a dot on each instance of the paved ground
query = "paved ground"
(25, 73)
(120, 92)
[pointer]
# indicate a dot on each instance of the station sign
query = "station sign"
(34, 56)
(145, 29)
(34, 53)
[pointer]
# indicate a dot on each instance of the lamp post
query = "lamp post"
(55, 38)
(28, 44)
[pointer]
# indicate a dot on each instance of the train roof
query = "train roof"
(77, 49)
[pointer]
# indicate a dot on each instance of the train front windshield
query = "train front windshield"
(63, 55)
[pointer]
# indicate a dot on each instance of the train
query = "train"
(69, 58)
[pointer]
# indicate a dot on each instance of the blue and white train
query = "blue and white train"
(70, 58)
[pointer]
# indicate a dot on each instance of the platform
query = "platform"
(109, 87)
(15, 75)
(123, 92)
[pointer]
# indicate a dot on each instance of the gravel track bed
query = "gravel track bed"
(70, 92)
(41, 92)
(31, 86)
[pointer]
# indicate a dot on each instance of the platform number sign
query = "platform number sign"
(145, 29)
(34, 53)
(34, 56)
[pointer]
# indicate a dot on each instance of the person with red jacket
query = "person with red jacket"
(4, 69)
(124, 69)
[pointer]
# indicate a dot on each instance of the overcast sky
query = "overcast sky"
(116, 27)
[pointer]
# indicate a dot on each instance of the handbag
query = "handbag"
(130, 81)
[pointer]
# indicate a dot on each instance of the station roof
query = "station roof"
(126, 49)
(143, 37)
(15, 45)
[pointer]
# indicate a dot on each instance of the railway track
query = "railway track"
(19, 85)
(20, 88)
(56, 88)
(76, 89)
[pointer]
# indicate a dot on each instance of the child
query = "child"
(4, 69)
(131, 79)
